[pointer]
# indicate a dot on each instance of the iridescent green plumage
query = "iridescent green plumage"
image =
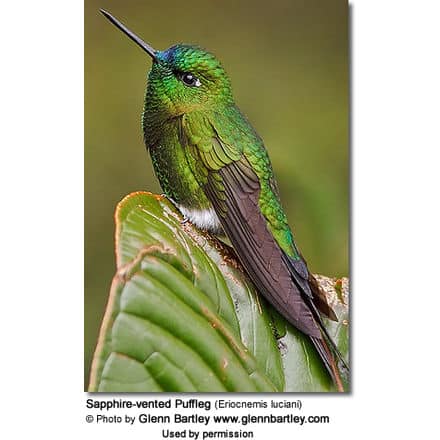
(211, 162)
(191, 132)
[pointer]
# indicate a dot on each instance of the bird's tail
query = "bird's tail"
(333, 360)
(317, 302)
(325, 346)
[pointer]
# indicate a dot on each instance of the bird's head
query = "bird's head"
(183, 78)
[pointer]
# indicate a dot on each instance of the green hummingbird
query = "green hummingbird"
(214, 166)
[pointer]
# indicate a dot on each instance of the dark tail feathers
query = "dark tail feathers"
(333, 361)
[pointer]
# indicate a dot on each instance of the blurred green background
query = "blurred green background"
(288, 62)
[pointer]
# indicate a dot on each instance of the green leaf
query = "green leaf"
(182, 316)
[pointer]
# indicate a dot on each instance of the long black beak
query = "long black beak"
(150, 51)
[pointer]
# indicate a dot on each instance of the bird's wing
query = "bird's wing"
(233, 188)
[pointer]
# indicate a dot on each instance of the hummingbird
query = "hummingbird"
(212, 164)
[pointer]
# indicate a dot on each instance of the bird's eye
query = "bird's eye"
(190, 80)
